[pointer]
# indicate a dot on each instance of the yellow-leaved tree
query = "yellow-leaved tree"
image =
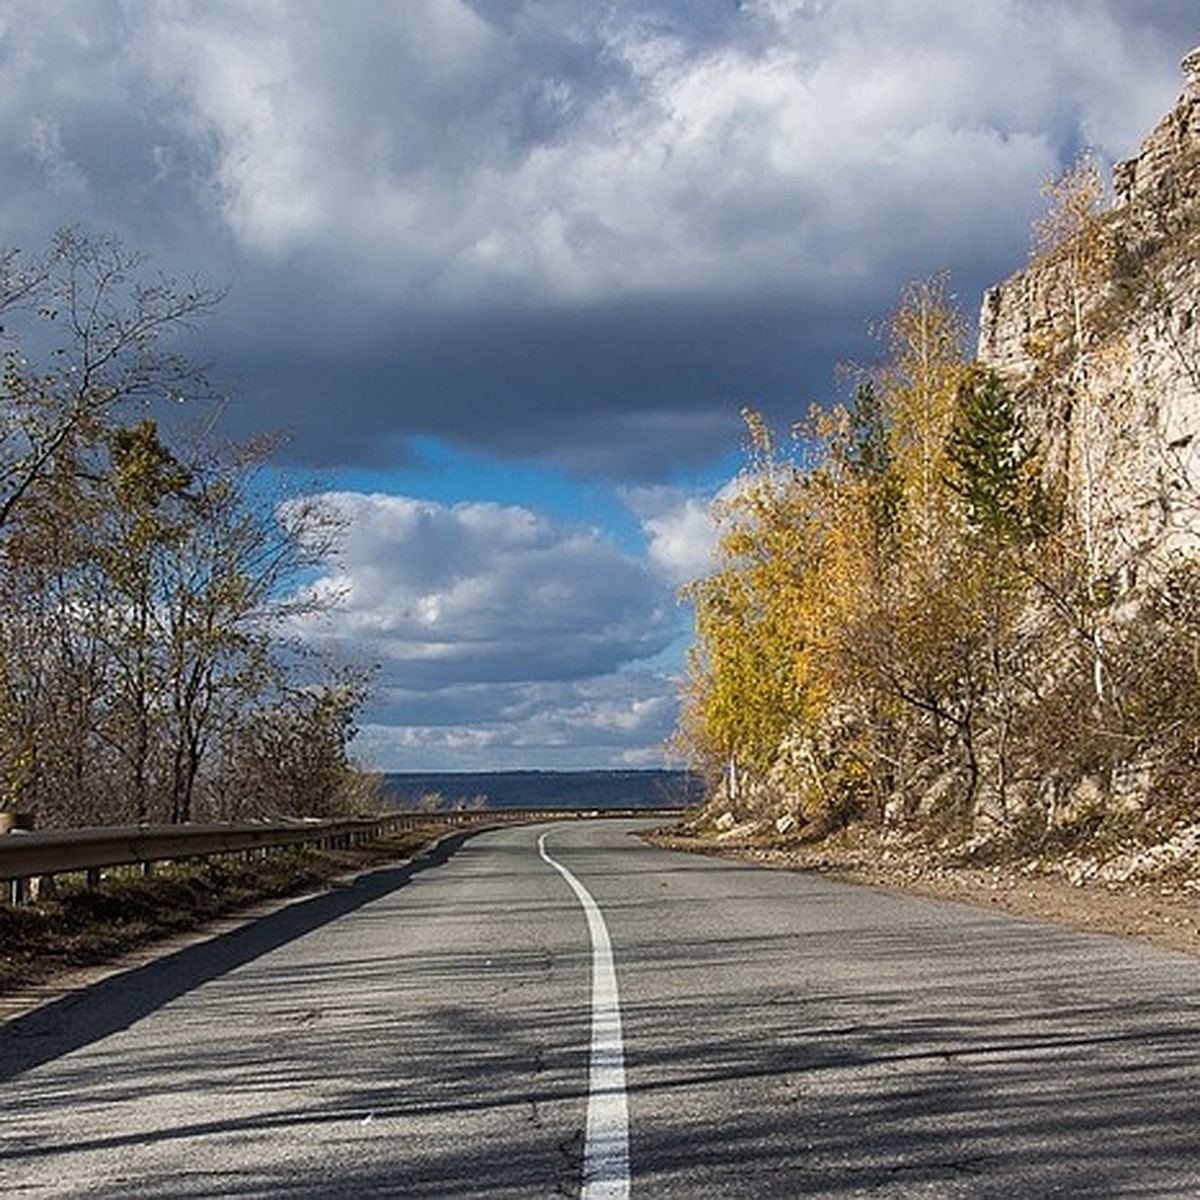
(750, 680)
(855, 634)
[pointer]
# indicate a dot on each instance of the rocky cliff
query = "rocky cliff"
(1056, 705)
(1117, 411)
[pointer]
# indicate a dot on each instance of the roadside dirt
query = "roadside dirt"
(1163, 910)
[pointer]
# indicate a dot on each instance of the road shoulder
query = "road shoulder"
(1164, 912)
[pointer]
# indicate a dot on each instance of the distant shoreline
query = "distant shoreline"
(648, 788)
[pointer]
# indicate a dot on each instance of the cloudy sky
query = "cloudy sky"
(505, 271)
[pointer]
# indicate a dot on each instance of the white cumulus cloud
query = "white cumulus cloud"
(503, 637)
(487, 592)
(680, 530)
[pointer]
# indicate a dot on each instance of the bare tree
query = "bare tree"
(106, 326)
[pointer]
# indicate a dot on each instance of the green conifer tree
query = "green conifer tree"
(990, 460)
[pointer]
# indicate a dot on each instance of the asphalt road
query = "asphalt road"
(429, 1033)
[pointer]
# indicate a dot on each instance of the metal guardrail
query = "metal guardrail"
(31, 855)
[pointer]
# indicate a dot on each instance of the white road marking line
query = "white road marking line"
(606, 1153)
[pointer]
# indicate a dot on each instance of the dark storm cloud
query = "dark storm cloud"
(626, 391)
(518, 225)
(588, 233)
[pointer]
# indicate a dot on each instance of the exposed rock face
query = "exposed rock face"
(1117, 414)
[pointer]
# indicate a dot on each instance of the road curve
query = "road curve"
(428, 1033)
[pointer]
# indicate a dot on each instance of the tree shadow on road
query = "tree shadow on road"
(92, 1013)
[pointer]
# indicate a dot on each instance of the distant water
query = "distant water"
(546, 789)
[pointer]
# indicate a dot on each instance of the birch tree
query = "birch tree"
(1073, 238)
